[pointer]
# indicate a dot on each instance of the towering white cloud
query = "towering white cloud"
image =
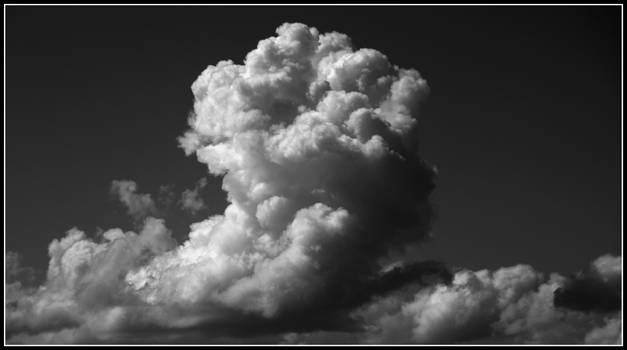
(316, 143)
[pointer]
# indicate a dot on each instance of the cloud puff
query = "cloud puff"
(610, 333)
(166, 203)
(138, 205)
(16, 272)
(84, 289)
(191, 199)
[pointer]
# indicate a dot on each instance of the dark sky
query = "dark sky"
(523, 121)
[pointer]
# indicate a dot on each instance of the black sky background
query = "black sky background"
(523, 121)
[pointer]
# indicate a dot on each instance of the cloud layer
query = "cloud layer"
(510, 305)
(317, 145)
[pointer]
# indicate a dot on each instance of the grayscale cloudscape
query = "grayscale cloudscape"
(316, 142)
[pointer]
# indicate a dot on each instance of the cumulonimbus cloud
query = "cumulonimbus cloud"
(317, 145)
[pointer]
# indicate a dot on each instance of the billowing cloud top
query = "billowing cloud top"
(317, 146)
